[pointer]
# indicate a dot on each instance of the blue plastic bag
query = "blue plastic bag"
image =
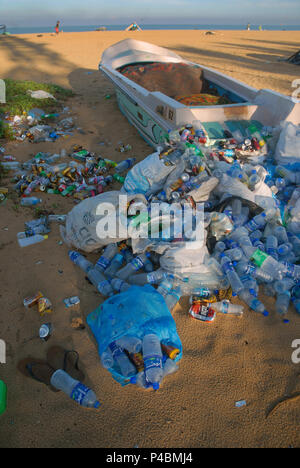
(137, 311)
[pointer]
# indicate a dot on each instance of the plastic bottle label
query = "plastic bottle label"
(103, 262)
(137, 263)
(79, 393)
(259, 257)
(225, 307)
(228, 267)
(153, 362)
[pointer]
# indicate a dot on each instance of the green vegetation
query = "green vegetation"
(18, 100)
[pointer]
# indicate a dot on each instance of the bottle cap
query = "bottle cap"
(265, 313)
(155, 386)
(97, 404)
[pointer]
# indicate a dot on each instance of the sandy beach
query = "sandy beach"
(232, 359)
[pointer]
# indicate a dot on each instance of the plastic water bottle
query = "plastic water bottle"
(281, 234)
(291, 271)
(78, 392)
(255, 235)
(173, 297)
(26, 241)
(152, 354)
(166, 285)
(272, 246)
(107, 359)
(267, 264)
(109, 252)
(282, 302)
(101, 283)
(253, 302)
(119, 285)
(284, 249)
(258, 222)
(131, 343)
(169, 367)
(225, 307)
(283, 285)
(30, 201)
(234, 254)
(125, 365)
(136, 264)
(114, 266)
(80, 261)
(231, 274)
(154, 277)
(124, 165)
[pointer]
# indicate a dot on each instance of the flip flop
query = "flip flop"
(60, 358)
(38, 370)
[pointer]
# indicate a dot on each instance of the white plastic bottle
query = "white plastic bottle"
(80, 261)
(173, 297)
(78, 392)
(133, 344)
(109, 252)
(225, 307)
(133, 266)
(152, 354)
(119, 285)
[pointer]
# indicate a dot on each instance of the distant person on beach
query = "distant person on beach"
(57, 27)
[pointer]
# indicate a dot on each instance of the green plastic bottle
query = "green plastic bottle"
(3, 396)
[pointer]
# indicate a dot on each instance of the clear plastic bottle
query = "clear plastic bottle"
(109, 252)
(253, 302)
(282, 302)
(30, 201)
(101, 283)
(173, 297)
(256, 223)
(166, 285)
(115, 265)
(234, 254)
(125, 365)
(272, 246)
(27, 241)
(78, 392)
(152, 354)
(119, 285)
(169, 367)
(285, 249)
(107, 359)
(124, 165)
(154, 277)
(136, 264)
(131, 343)
(225, 307)
(283, 285)
(290, 270)
(231, 274)
(296, 303)
(281, 234)
(80, 261)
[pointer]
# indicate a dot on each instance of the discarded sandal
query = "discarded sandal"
(59, 358)
(38, 370)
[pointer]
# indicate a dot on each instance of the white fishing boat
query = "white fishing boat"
(144, 76)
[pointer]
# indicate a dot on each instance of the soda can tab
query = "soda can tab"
(33, 300)
(72, 301)
(44, 306)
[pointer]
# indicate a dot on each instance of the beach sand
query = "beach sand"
(232, 359)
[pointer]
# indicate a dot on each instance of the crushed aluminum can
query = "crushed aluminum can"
(45, 331)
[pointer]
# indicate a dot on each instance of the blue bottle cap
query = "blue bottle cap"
(133, 380)
(234, 294)
(286, 321)
(97, 405)
(265, 313)
(155, 386)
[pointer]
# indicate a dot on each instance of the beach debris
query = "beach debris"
(43, 304)
(45, 331)
(71, 301)
(240, 403)
(40, 94)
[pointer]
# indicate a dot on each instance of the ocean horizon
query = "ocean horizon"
(122, 27)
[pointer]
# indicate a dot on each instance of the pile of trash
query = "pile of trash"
(248, 206)
(38, 126)
(214, 220)
(84, 176)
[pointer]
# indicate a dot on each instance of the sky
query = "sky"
(112, 12)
